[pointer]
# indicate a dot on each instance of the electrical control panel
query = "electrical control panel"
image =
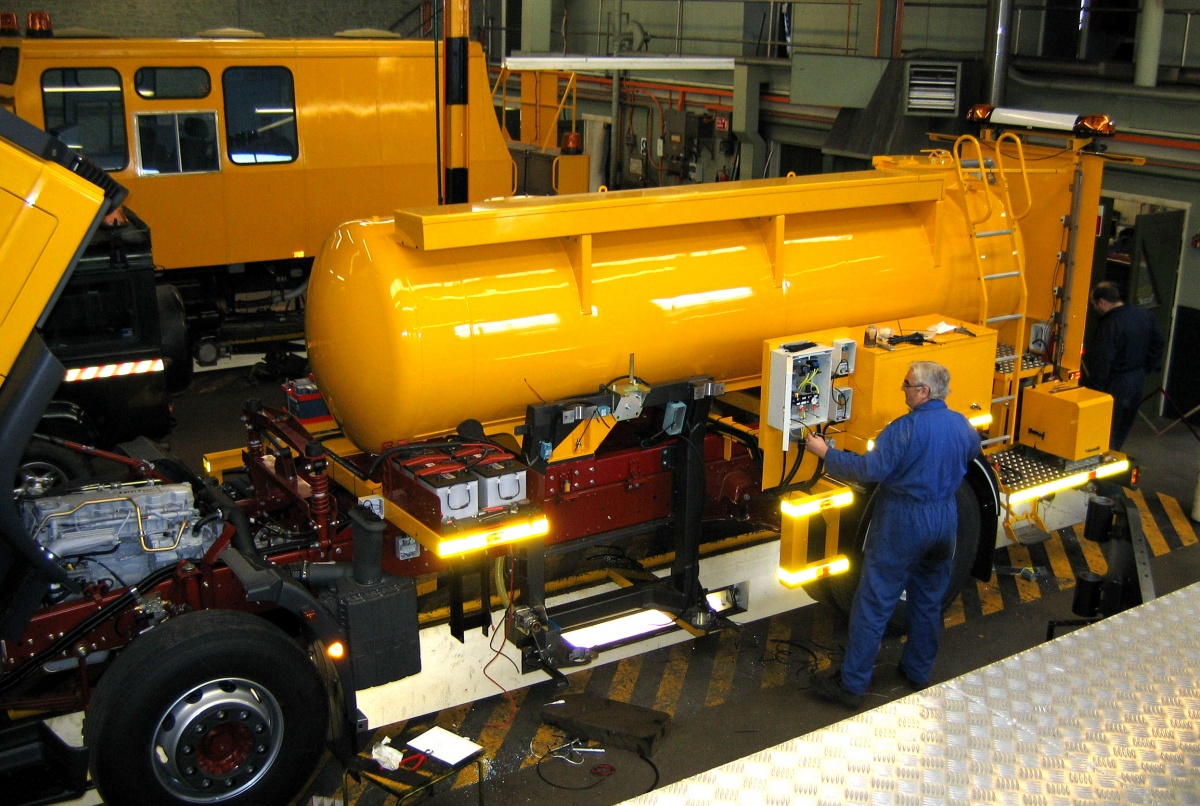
(801, 376)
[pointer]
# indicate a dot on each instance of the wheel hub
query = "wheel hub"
(217, 740)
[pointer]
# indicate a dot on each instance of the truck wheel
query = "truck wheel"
(215, 707)
(842, 587)
(172, 324)
(45, 466)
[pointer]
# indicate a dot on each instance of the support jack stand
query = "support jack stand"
(1114, 522)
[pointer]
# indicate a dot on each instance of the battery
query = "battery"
(456, 489)
(304, 402)
(501, 483)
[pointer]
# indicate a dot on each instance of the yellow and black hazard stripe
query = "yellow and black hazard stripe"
(685, 678)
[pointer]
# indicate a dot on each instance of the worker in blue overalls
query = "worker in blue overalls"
(919, 461)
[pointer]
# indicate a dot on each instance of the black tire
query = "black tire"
(181, 716)
(841, 588)
(45, 466)
(172, 324)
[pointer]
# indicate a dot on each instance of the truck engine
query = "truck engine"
(107, 534)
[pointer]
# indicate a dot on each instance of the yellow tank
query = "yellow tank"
(477, 310)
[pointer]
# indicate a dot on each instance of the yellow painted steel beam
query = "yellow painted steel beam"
(535, 218)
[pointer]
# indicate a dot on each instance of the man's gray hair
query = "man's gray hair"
(933, 376)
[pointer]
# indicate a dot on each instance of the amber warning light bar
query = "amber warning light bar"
(1083, 125)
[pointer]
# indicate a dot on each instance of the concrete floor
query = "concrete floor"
(704, 737)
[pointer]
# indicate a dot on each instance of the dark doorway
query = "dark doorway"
(1143, 260)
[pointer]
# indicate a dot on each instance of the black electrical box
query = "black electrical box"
(381, 627)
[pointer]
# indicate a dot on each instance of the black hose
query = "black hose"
(68, 639)
(243, 539)
(746, 439)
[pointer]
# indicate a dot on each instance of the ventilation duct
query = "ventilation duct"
(932, 89)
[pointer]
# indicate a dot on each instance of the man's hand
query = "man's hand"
(816, 445)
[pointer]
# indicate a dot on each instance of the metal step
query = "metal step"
(1002, 275)
(992, 233)
(1006, 318)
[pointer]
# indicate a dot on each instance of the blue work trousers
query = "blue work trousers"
(910, 547)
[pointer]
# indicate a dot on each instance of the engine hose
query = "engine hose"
(242, 540)
(130, 597)
(325, 575)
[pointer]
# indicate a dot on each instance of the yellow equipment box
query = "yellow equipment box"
(1066, 421)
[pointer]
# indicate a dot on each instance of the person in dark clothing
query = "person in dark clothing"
(1125, 345)
(919, 461)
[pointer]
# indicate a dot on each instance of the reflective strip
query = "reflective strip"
(117, 370)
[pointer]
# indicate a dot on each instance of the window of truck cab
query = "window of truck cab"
(260, 115)
(85, 108)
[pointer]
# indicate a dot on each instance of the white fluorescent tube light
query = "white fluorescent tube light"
(609, 63)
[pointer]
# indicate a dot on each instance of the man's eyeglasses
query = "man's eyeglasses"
(906, 385)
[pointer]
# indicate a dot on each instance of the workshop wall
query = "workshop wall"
(186, 17)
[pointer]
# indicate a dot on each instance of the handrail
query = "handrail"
(1024, 174)
(570, 88)
(962, 177)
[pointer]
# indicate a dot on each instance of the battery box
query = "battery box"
(381, 627)
(1069, 422)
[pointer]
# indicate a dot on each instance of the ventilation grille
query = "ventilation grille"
(932, 89)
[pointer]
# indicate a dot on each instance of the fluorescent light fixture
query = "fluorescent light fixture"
(609, 63)
(811, 505)
(493, 537)
(619, 629)
(981, 420)
(1074, 480)
(643, 622)
(811, 573)
(95, 88)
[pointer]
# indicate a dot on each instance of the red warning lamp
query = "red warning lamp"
(8, 24)
(37, 24)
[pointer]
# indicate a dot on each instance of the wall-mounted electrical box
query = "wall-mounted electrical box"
(841, 399)
(844, 352)
(798, 394)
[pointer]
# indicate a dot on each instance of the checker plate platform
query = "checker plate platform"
(1107, 714)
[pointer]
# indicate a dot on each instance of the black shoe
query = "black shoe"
(831, 689)
(913, 684)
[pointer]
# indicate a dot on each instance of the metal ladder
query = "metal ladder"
(1000, 264)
